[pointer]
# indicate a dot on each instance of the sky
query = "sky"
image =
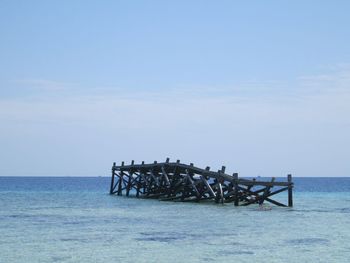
(262, 87)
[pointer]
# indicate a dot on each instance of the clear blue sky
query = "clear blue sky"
(262, 87)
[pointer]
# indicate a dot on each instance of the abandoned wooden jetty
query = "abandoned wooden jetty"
(175, 181)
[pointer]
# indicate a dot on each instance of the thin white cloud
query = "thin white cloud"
(305, 128)
(337, 80)
(44, 84)
(325, 91)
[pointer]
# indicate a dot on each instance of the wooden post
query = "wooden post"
(290, 191)
(223, 168)
(128, 187)
(129, 184)
(120, 181)
(235, 183)
(112, 180)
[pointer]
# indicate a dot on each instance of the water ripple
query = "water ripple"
(238, 252)
(308, 241)
(160, 236)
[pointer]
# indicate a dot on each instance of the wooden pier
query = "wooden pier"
(174, 181)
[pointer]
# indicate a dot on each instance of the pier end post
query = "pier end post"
(235, 177)
(112, 179)
(290, 191)
(120, 181)
(223, 168)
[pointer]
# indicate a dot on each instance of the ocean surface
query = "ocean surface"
(74, 219)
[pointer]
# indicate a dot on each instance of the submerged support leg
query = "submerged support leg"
(235, 175)
(120, 181)
(112, 180)
(290, 191)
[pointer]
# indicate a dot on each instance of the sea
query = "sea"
(74, 219)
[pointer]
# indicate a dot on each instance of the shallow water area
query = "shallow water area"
(75, 220)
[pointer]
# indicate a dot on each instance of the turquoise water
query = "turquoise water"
(75, 220)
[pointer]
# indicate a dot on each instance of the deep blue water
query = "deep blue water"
(74, 219)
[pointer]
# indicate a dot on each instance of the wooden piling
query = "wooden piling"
(120, 181)
(223, 168)
(236, 192)
(290, 191)
(112, 179)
